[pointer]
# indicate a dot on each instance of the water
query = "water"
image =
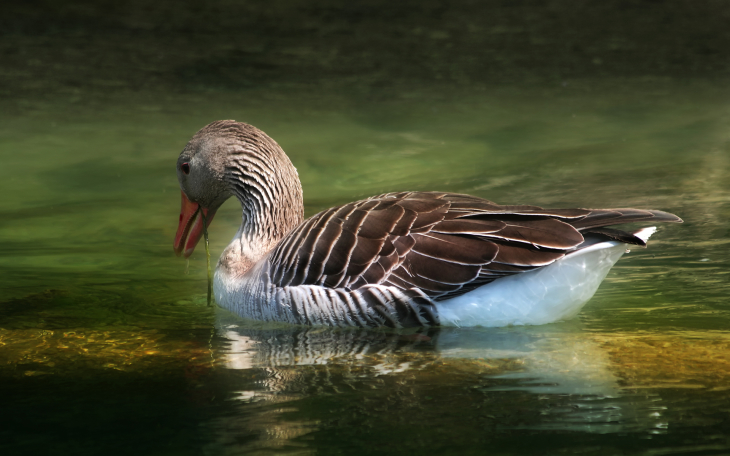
(107, 346)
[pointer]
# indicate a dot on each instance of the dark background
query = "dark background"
(63, 47)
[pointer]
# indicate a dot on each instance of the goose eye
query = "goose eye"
(185, 168)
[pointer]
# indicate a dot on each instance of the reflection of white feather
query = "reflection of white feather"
(549, 361)
(554, 359)
(552, 293)
(560, 362)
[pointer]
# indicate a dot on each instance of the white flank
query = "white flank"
(552, 293)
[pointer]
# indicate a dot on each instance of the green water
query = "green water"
(106, 343)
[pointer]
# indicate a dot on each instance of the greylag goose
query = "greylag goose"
(398, 259)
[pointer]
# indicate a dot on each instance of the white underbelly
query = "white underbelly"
(552, 293)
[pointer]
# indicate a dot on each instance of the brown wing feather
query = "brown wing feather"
(518, 255)
(605, 217)
(455, 249)
(444, 244)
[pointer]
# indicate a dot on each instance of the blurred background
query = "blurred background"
(106, 344)
(360, 48)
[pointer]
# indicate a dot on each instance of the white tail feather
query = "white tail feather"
(645, 233)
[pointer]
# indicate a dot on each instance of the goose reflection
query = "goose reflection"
(291, 381)
(556, 361)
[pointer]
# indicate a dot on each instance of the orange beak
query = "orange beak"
(190, 229)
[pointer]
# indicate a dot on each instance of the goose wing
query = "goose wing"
(441, 243)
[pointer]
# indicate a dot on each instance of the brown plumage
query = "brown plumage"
(443, 243)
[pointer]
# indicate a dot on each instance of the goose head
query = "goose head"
(228, 158)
